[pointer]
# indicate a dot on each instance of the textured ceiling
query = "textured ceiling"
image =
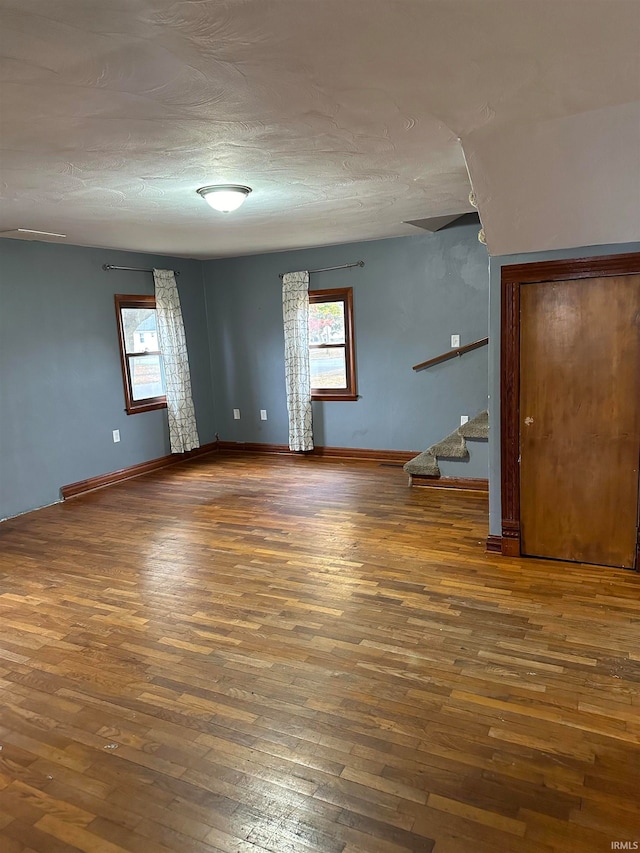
(346, 117)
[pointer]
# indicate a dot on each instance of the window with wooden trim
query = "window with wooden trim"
(140, 355)
(331, 344)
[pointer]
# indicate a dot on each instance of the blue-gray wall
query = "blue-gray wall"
(61, 391)
(496, 264)
(60, 379)
(412, 294)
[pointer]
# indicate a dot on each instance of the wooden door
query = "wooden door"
(580, 419)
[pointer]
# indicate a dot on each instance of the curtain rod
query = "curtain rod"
(107, 267)
(330, 269)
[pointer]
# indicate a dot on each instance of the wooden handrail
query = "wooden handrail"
(452, 354)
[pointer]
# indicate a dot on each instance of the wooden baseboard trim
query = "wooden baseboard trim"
(254, 447)
(354, 453)
(472, 483)
(494, 544)
(82, 486)
(510, 547)
(366, 455)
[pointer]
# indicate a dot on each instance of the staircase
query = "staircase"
(454, 446)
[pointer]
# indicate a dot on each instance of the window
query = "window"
(331, 346)
(142, 368)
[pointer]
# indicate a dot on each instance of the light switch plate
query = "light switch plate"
(464, 419)
(236, 414)
(455, 341)
(116, 436)
(263, 414)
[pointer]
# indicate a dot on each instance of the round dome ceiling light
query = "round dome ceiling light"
(224, 197)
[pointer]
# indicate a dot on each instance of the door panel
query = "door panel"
(580, 419)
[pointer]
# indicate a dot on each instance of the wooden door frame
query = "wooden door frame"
(513, 277)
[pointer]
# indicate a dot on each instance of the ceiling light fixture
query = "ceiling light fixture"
(224, 197)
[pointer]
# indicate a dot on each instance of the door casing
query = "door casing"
(513, 278)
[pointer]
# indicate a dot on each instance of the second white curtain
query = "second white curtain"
(183, 432)
(295, 311)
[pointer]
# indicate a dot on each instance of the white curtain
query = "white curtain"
(295, 311)
(183, 432)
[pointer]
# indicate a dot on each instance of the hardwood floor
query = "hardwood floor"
(249, 654)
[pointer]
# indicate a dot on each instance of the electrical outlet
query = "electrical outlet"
(116, 436)
(263, 414)
(464, 419)
(236, 414)
(455, 341)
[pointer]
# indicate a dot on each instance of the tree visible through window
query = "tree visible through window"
(142, 368)
(331, 346)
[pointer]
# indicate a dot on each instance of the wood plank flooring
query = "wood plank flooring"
(247, 654)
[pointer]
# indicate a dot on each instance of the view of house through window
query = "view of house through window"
(142, 368)
(331, 350)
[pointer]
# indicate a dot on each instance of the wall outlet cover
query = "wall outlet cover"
(116, 436)
(236, 414)
(263, 414)
(464, 419)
